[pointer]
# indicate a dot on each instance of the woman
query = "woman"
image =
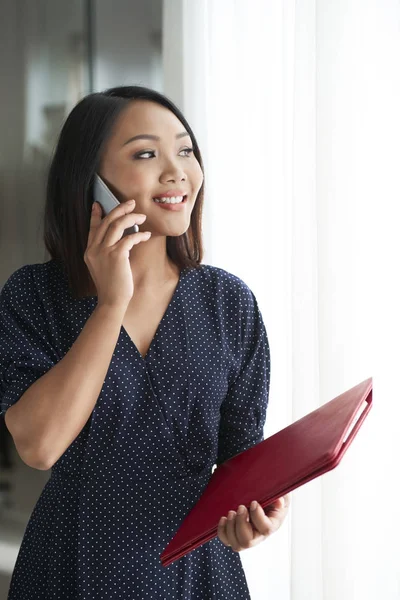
(130, 368)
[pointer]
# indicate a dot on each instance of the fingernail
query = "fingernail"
(241, 510)
(93, 205)
(130, 201)
(253, 505)
(231, 514)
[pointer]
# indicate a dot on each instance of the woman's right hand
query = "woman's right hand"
(107, 255)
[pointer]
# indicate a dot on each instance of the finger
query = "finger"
(230, 530)
(281, 504)
(221, 531)
(243, 528)
(283, 501)
(278, 503)
(95, 220)
(264, 524)
(134, 238)
(110, 229)
(116, 230)
(99, 224)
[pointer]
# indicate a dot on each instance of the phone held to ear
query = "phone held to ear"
(104, 196)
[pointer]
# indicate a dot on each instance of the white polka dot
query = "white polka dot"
(119, 492)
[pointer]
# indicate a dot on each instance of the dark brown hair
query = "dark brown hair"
(70, 185)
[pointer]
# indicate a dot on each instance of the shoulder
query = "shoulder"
(222, 278)
(17, 282)
(25, 281)
(227, 284)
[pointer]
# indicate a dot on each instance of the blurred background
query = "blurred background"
(52, 54)
(295, 104)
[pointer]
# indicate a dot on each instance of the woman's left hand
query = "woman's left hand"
(249, 528)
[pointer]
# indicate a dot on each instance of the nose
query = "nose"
(174, 173)
(173, 166)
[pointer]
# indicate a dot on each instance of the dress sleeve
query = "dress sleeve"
(243, 411)
(25, 350)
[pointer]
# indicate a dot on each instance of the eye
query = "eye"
(139, 156)
(189, 150)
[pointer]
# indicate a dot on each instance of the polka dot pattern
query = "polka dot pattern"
(119, 492)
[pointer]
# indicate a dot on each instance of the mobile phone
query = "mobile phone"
(104, 196)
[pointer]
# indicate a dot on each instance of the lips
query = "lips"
(165, 197)
(172, 207)
(171, 193)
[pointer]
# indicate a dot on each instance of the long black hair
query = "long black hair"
(70, 185)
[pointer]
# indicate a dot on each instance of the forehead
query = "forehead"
(143, 116)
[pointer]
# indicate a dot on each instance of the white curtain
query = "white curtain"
(296, 108)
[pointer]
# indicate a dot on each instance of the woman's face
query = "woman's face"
(146, 168)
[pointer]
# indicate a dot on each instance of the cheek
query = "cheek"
(197, 176)
(138, 181)
(132, 186)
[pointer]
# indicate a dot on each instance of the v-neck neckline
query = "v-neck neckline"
(124, 332)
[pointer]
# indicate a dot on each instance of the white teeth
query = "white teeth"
(171, 200)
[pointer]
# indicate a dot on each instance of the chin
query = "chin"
(175, 233)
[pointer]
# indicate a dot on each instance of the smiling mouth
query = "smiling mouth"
(166, 201)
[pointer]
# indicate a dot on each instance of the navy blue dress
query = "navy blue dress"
(161, 423)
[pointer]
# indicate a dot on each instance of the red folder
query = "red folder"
(279, 464)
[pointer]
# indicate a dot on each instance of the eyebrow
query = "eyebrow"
(148, 136)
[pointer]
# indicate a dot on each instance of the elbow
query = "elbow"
(35, 458)
(37, 464)
(31, 457)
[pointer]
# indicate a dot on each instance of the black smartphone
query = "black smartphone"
(104, 196)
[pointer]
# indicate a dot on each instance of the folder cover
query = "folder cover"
(279, 464)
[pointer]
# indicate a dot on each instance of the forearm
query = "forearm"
(54, 409)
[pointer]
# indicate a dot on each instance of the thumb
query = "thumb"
(277, 504)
